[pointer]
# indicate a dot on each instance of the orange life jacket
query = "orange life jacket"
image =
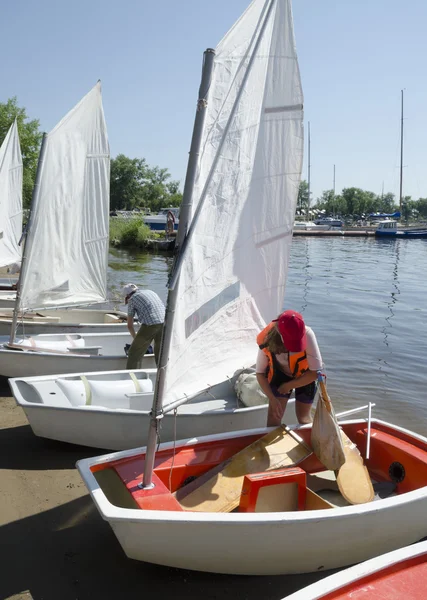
(298, 363)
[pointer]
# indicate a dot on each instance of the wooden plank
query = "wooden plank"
(353, 477)
(219, 489)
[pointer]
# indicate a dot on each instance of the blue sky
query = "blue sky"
(355, 57)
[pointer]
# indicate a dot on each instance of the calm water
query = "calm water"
(366, 301)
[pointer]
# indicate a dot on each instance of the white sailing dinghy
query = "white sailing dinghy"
(65, 255)
(248, 174)
(66, 230)
(11, 170)
(245, 502)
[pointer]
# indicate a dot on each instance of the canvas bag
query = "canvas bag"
(326, 438)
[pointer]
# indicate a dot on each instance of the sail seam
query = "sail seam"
(289, 108)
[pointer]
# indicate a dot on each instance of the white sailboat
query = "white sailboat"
(64, 262)
(242, 502)
(248, 175)
(11, 170)
(51, 235)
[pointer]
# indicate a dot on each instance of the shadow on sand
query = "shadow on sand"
(69, 553)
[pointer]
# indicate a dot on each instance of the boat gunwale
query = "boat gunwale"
(338, 581)
(112, 513)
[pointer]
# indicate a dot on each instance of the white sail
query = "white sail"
(233, 276)
(66, 250)
(10, 197)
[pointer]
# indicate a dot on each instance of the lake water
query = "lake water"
(365, 300)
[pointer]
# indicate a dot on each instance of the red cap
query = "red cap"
(291, 327)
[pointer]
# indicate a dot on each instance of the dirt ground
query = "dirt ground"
(55, 546)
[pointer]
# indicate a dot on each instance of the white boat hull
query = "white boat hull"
(262, 543)
(64, 321)
(111, 356)
(122, 426)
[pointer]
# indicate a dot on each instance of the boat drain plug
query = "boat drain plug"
(397, 472)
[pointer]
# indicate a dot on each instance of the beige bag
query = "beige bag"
(326, 438)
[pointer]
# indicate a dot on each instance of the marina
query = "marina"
(212, 385)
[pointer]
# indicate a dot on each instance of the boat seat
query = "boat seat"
(92, 350)
(203, 406)
(49, 390)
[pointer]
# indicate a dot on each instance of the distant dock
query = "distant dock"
(359, 232)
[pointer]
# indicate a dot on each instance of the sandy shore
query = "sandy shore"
(55, 546)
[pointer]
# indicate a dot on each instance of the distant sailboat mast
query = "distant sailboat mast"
(309, 172)
(401, 155)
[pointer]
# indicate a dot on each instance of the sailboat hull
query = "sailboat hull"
(98, 352)
(64, 321)
(266, 543)
(121, 422)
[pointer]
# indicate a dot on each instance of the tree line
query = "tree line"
(133, 183)
(355, 203)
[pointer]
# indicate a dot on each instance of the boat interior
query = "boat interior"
(235, 475)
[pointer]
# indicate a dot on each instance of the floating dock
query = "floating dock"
(362, 232)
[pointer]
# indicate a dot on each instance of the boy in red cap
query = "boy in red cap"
(288, 359)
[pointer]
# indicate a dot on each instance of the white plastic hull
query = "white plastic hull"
(123, 429)
(67, 321)
(124, 425)
(111, 357)
(262, 543)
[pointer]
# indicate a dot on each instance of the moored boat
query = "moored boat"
(389, 228)
(397, 575)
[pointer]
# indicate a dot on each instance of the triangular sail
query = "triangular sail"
(233, 276)
(10, 197)
(66, 250)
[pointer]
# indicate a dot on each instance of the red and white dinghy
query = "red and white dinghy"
(281, 524)
(398, 575)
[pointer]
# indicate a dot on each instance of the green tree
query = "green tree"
(421, 205)
(303, 196)
(134, 184)
(29, 137)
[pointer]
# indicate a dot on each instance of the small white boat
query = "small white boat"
(111, 410)
(46, 354)
(310, 226)
(65, 258)
(74, 320)
(283, 533)
(397, 575)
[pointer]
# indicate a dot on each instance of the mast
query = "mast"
(308, 177)
(333, 193)
(184, 218)
(401, 156)
(34, 198)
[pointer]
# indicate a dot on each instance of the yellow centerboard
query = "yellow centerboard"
(219, 490)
